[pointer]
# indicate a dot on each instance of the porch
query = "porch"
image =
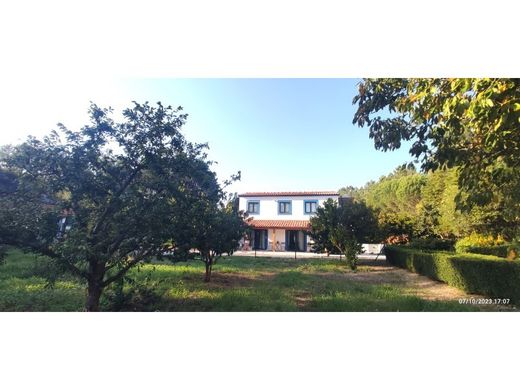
(279, 240)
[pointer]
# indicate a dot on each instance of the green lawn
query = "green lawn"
(238, 284)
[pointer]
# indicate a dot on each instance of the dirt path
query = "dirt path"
(381, 272)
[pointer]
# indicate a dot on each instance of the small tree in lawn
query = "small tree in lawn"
(121, 183)
(321, 229)
(210, 227)
(343, 227)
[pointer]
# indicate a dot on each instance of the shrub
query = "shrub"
(432, 244)
(513, 250)
(483, 244)
(498, 250)
(131, 296)
(397, 239)
(487, 275)
(477, 240)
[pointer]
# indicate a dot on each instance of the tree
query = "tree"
(471, 124)
(120, 185)
(394, 198)
(343, 227)
(210, 227)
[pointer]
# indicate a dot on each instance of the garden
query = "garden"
(238, 284)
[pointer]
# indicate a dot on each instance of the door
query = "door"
(260, 239)
(291, 241)
(295, 240)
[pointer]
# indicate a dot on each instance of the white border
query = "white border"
(258, 351)
(94, 39)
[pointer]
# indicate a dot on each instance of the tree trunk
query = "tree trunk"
(93, 295)
(95, 285)
(207, 278)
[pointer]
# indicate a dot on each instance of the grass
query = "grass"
(238, 284)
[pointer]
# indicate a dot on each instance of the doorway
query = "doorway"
(295, 240)
(260, 239)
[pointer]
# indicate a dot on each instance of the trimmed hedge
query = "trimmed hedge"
(497, 250)
(432, 244)
(483, 245)
(480, 274)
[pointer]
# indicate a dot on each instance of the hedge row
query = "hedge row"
(480, 274)
(497, 250)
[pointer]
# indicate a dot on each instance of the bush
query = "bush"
(433, 244)
(477, 240)
(483, 244)
(513, 250)
(486, 275)
(498, 251)
(397, 239)
(130, 295)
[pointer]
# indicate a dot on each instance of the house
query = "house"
(280, 220)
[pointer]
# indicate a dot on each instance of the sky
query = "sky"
(282, 134)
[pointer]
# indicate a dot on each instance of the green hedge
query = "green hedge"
(497, 250)
(480, 274)
(432, 244)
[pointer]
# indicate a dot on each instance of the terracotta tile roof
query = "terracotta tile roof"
(279, 224)
(292, 193)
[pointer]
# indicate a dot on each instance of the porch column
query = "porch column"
(273, 244)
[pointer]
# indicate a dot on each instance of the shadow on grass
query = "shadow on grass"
(292, 290)
(238, 284)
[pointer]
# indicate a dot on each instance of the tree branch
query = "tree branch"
(125, 269)
(75, 270)
(108, 209)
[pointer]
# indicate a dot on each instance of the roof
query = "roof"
(279, 224)
(291, 193)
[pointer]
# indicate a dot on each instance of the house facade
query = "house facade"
(280, 220)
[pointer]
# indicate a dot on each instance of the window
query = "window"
(253, 207)
(310, 206)
(284, 207)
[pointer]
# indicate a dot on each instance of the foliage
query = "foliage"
(478, 240)
(211, 228)
(400, 239)
(343, 228)
(130, 294)
(513, 250)
(423, 205)
(471, 124)
(395, 198)
(487, 275)
(498, 250)
(483, 244)
(119, 184)
(432, 244)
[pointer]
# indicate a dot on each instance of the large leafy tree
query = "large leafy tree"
(120, 185)
(395, 199)
(471, 124)
(343, 227)
(423, 205)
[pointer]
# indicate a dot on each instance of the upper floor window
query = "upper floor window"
(253, 207)
(310, 206)
(284, 207)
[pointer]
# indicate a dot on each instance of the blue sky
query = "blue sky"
(282, 134)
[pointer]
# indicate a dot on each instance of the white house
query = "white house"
(281, 219)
